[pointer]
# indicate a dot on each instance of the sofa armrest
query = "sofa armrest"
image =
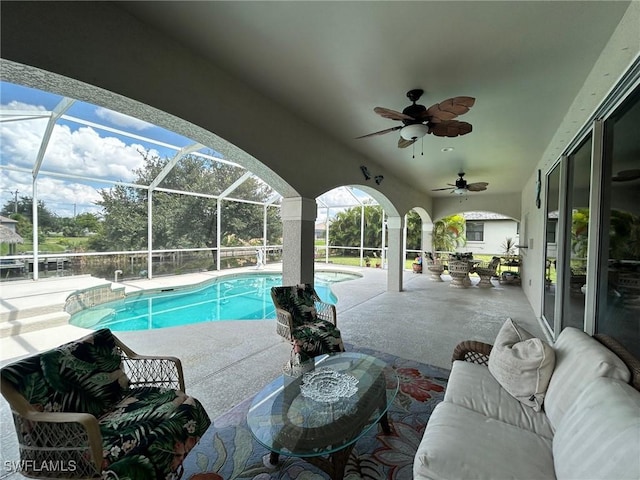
(151, 371)
(284, 324)
(472, 351)
(326, 311)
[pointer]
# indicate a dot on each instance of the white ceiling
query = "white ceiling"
(331, 63)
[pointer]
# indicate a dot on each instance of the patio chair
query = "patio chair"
(435, 267)
(485, 271)
(93, 408)
(459, 271)
(306, 321)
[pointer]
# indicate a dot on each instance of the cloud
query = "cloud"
(122, 120)
(16, 105)
(82, 152)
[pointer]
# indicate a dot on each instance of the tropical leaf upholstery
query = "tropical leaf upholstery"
(308, 322)
(76, 405)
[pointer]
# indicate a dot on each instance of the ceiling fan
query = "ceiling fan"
(627, 175)
(418, 120)
(461, 186)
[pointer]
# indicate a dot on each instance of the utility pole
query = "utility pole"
(15, 201)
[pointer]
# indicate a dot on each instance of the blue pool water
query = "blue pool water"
(234, 297)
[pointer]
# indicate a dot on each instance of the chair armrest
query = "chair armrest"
(472, 351)
(72, 440)
(284, 324)
(326, 311)
(632, 363)
(151, 371)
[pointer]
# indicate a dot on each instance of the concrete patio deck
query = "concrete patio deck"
(225, 362)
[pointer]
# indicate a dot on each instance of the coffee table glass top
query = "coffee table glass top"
(326, 409)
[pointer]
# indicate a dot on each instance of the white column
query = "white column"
(395, 262)
(427, 237)
(298, 227)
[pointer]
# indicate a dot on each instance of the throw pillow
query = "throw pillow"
(522, 364)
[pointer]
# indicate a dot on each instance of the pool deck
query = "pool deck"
(227, 361)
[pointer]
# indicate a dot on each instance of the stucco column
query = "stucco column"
(298, 227)
(427, 237)
(395, 261)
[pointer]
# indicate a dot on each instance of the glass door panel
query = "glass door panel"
(575, 267)
(618, 310)
(551, 246)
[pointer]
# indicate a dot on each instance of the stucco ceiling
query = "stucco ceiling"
(331, 63)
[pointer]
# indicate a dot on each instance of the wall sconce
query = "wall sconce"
(365, 172)
(379, 179)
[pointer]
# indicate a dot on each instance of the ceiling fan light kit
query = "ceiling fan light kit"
(415, 131)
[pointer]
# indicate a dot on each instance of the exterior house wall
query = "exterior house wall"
(495, 234)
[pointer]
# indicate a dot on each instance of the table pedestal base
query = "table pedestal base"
(336, 462)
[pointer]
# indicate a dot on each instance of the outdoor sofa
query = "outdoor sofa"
(92, 408)
(523, 409)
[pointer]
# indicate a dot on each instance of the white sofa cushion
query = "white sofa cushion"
(599, 435)
(472, 386)
(460, 443)
(579, 360)
(522, 364)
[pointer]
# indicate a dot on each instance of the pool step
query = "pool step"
(22, 313)
(25, 324)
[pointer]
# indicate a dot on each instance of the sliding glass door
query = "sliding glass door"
(618, 300)
(551, 246)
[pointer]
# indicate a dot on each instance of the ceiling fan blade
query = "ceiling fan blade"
(402, 143)
(450, 128)
(450, 108)
(381, 132)
(477, 186)
(438, 189)
(435, 114)
(627, 175)
(391, 114)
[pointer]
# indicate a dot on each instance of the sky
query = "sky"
(80, 149)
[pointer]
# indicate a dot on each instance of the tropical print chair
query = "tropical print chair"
(306, 321)
(92, 408)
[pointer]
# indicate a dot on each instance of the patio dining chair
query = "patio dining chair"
(306, 321)
(485, 271)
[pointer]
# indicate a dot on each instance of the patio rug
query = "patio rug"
(228, 451)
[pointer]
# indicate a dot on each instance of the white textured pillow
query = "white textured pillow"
(522, 364)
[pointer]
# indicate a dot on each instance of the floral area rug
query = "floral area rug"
(228, 451)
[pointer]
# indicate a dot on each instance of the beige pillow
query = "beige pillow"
(522, 364)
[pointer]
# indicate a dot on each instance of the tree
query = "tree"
(345, 227)
(47, 220)
(449, 233)
(179, 220)
(414, 231)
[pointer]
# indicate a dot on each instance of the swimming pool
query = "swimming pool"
(231, 297)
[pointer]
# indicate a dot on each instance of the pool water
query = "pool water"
(236, 297)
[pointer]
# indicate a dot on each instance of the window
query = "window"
(475, 231)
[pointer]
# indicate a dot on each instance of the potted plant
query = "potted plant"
(367, 261)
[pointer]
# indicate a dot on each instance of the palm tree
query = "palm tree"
(449, 233)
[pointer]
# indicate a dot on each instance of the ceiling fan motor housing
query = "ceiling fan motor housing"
(415, 112)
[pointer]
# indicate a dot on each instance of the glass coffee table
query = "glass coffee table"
(320, 414)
